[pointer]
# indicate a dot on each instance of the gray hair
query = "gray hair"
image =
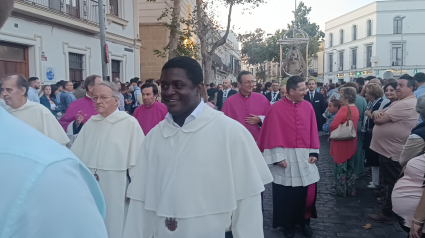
(113, 87)
(420, 106)
(348, 93)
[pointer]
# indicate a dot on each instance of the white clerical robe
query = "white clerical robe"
(109, 147)
(188, 185)
(40, 118)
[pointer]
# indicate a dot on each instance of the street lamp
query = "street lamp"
(402, 46)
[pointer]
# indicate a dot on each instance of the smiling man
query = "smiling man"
(108, 145)
(151, 112)
(182, 188)
(247, 107)
(290, 142)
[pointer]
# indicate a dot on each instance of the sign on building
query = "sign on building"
(49, 74)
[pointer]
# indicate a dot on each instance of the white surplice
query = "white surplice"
(207, 175)
(109, 147)
(41, 119)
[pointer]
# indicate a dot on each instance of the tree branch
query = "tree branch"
(224, 37)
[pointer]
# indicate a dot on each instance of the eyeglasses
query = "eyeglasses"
(249, 82)
(102, 98)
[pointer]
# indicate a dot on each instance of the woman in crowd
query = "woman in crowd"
(258, 88)
(46, 99)
(333, 108)
(324, 92)
(342, 151)
(390, 93)
(408, 197)
(373, 95)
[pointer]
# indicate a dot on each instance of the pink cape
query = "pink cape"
(149, 117)
(85, 105)
(289, 125)
(239, 108)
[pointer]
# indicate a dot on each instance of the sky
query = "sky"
(276, 14)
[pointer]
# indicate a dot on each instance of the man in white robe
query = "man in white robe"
(181, 188)
(108, 145)
(15, 94)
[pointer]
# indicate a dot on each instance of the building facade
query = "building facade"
(59, 40)
(226, 60)
(383, 39)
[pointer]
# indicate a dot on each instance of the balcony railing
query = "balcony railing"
(81, 9)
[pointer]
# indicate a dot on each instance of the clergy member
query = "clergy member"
(318, 101)
(221, 96)
(15, 93)
(151, 112)
(290, 143)
(247, 107)
(80, 111)
(108, 145)
(182, 188)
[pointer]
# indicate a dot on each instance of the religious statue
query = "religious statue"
(294, 64)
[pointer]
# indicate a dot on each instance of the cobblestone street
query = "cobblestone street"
(337, 216)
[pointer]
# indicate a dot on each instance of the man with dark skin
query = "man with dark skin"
(196, 213)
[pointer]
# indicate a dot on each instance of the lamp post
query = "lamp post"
(102, 36)
(402, 46)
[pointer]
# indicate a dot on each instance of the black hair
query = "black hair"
(192, 67)
(150, 85)
(332, 86)
(54, 88)
(392, 84)
(150, 80)
(235, 84)
(32, 79)
(242, 73)
(212, 85)
(267, 85)
(368, 78)
(293, 82)
(410, 80)
(138, 83)
(420, 77)
(360, 81)
(210, 99)
(77, 84)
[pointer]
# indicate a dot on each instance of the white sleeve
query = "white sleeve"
(70, 134)
(247, 219)
(262, 118)
(61, 203)
(138, 222)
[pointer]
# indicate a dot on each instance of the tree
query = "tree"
(174, 29)
(254, 52)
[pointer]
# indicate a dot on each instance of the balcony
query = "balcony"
(313, 72)
(80, 14)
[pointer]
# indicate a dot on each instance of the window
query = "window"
(73, 7)
(341, 61)
(331, 40)
(116, 69)
(368, 56)
(369, 28)
(341, 37)
(76, 67)
(331, 62)
(354, 59)
(113, 7)
(354, 32)
(397, 55)
(398, 25)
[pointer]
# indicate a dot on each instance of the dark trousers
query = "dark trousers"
(229, 234)
(391, 173)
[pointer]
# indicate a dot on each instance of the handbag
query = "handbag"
(345, 131)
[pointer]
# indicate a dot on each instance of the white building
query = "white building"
(383, 39)
(226, 60)
(59, 40)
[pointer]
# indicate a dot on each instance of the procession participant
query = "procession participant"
(108, 145)
(291, 152)
(80, 111)
(168, 197)
(15, 93)
(222, 95)
(283, 92)
(247, 107)
(34, 86)
(274, 95)
(151, 112)
(318, 101)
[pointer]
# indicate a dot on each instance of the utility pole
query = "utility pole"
(102, 36)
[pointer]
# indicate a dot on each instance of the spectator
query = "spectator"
(67, 97)
(267, 88)
(34, 86)
(137, 93)
(324, 92)
(235, 86)
(392, 128)
(121, 103)
(333, 108)
(343, 151)
(258, 88)
(79, 91)
(332, 90)
(373, 95)
(127, 99)
(420, 84)
(212, 90)
(391, 93)
(48, 102)
(220, 87)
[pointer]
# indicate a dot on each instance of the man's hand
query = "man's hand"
(312, 160)
(80, 118)
(253, 119)
(283, 164)
(416, 231)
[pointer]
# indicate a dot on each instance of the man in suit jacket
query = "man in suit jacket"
(274, 95)
(318, 101)
(222, 95)
(267, 88)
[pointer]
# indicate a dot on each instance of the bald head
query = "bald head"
(377, 81)
(6, 8)
(226, 84)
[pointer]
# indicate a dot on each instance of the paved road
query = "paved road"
(337, 217)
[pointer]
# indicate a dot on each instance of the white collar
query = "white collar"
(227, 90)
(87, 95)
(190, 118)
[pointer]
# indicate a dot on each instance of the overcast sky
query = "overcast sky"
(276, 14)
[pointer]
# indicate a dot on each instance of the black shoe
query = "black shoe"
(307, 231)
(289, 233)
